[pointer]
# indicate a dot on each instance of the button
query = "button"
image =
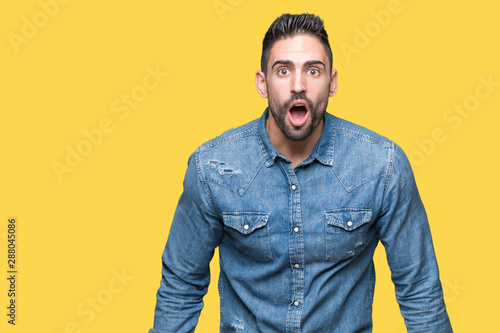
(296, 303)
(294, 187)
(296, 266)
(296, 229)
(349, 224)
(246, 227)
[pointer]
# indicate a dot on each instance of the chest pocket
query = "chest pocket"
(250, 233)
(345, 232)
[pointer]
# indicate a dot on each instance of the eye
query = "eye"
(283, 71)
(313, 72)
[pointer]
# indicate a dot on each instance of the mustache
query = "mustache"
(296, 96)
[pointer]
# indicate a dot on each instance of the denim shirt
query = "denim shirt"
(296, 244)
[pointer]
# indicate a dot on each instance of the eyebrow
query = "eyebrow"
(307, 63)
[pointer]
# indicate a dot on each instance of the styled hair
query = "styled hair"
(289, 25)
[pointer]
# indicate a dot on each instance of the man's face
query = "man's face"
(298, 84)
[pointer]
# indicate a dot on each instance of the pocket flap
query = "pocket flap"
(245, 223)
(348, 218)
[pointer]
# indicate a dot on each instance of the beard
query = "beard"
(298, 133)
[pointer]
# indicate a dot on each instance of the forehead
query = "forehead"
(298, 49)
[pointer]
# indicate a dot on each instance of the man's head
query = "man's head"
(297, 76)
(288, 25)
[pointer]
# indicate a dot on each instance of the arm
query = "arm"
(405, 234)
(194, 234)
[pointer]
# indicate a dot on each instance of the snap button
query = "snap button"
(296, 266)
(246, 227)
(294, 187)
(349, 224)
(296, 229)
(296, 303)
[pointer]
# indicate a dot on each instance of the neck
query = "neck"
(295, 151)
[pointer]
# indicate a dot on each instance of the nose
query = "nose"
(298, 82)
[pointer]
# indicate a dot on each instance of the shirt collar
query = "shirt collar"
(323, 150)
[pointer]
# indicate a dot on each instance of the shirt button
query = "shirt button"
(296, 229)
(296, 266)
(294, 187)
(246, 227)
(296, 303)
(349, 224)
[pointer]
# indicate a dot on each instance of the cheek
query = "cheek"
(320, 84)
(276, 95)
(278, 86)
(318, 91)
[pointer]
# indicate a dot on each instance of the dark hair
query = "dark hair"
(289, 25)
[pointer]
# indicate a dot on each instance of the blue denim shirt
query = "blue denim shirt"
(296, 244)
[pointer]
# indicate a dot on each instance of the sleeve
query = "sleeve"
(404, 231)
(195, 233)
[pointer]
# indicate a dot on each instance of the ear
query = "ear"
(260, 82)
(333, 83)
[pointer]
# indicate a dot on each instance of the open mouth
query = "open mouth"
(298, 112)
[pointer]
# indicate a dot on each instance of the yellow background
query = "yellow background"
(111, 214)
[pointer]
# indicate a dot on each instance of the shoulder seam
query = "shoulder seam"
(223, 138)
(201, 179)
(390, 168)
(385, 142)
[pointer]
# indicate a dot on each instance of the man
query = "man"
(297, 202)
